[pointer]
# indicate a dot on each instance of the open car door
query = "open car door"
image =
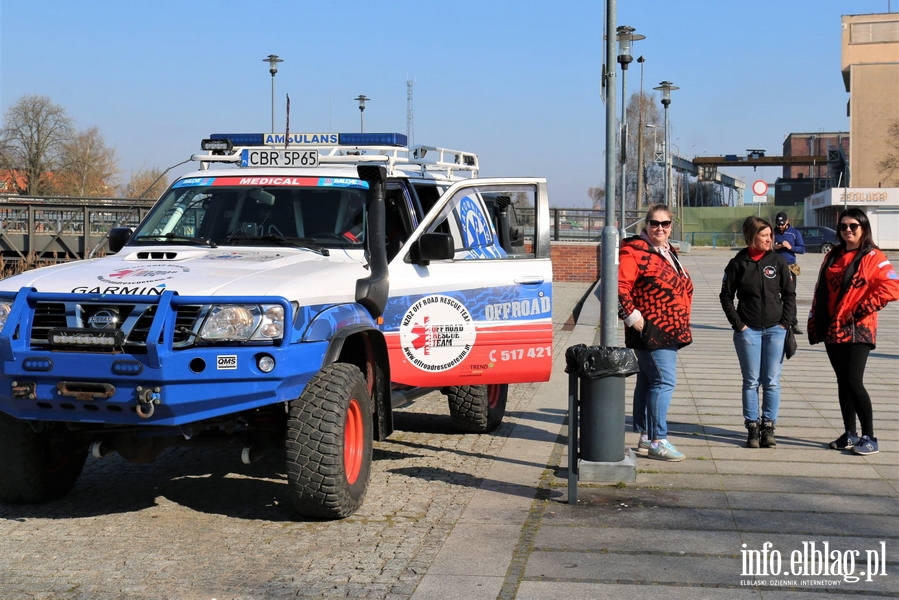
(471, 290)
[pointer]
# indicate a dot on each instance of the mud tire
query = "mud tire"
(477, 408)
(36, 467)
(329, 444)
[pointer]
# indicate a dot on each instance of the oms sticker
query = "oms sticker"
(437, 333)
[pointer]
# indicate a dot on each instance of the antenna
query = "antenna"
(410, 122)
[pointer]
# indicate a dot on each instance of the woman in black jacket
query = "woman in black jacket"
(766, 293)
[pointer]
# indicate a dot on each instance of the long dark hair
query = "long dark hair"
(859, 215)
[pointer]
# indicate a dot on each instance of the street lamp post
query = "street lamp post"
(273, 61)
(362, 100)
(626, 37)
(639, 201)
(666, 87)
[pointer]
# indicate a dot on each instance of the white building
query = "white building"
(880, 204)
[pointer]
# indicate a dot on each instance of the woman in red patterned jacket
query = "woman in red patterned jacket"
(654, 297)
(855, 281)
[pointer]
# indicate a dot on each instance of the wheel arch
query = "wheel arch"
(365, 347)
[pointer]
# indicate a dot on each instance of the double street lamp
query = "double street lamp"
(666, 87)
(626, 37)
(273, 61)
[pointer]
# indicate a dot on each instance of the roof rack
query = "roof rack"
(345, 149)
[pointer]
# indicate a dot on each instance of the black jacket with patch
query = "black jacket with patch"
(765, 291)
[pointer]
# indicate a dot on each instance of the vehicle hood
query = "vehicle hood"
(296, 274)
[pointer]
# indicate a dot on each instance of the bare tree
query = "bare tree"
(597, 195)
(88, 166)
(146, 183)
(644, 119)
(889, 164)
(32, 139)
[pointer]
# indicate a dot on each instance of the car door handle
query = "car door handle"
(534, 280)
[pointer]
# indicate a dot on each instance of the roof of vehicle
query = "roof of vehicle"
(334, 154)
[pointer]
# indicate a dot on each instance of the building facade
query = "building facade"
(870, 67)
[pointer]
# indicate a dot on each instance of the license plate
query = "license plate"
(279, 158)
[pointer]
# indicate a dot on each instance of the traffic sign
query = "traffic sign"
(760, 188)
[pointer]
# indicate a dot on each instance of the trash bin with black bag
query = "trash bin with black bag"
(600, 370)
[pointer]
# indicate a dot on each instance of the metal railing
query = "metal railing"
(715, 239)
(60, 229)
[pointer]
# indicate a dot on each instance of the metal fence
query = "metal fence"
(60, 229)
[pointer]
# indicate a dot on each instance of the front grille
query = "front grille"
(134, 320)
(185, 323)
(47, 316)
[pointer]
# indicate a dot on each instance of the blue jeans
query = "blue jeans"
(652, 392)
(761, 353)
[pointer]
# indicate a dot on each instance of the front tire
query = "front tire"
(36, 467)
(477, 408)
(329, 444)
(825, 248)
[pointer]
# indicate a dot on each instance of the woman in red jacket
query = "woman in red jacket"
(654, 297)
(856, 280)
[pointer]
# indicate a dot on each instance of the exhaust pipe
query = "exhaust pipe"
(100, 449)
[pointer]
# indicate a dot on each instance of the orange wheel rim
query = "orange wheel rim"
(353, 442)
(493, 395)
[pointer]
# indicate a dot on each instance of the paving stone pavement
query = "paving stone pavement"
(486, 516)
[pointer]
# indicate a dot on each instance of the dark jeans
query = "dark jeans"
(848, 362)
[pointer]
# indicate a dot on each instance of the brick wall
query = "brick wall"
(575, 261)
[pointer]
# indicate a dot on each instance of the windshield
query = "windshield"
(222, 211)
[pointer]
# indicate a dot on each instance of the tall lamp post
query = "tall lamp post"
(362, 100)
(665, 87)
(273, 61)
(626, 37)
(640, 184)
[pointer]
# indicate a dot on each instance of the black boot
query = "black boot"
(767, 435)
(752, 440)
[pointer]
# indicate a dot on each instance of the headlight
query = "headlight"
(241, 323)
(272, 325)
(5, 309)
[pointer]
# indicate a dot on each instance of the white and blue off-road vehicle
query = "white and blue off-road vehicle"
(288, 295)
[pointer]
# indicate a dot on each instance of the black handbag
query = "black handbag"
(790, 343)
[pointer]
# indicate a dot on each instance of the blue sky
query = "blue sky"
(516, 81)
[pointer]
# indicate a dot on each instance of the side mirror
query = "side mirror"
(432, 246)
(118, 237)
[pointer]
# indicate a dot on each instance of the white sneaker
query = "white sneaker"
(665, 451)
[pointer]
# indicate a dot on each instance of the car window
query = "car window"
(470, 218)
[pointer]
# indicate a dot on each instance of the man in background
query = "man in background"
(788, 243)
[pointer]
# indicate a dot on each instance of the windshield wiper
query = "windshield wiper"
(171, 237)
(295, 242)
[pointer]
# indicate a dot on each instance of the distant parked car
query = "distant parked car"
(818, 239)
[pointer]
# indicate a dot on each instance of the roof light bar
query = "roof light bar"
(239, 139)
(372, 139)
(397, 140)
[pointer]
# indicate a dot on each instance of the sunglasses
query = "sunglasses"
(852, 226)
(662, 224)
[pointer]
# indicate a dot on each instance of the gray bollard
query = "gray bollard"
(602, 419)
